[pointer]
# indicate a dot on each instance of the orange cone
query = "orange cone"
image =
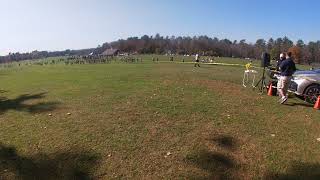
(270, 93)
(317, 104)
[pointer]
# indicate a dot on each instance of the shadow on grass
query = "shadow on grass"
(298, 171)
(54, 166)
(226, 142)
(19, 104)
(298, 104)
(218, 165)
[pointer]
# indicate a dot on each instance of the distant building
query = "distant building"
(111, 52)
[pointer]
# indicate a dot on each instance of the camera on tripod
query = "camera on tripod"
(265, 60)
(265, 63)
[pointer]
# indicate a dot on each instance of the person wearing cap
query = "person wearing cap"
(287, 68)
(282, 58)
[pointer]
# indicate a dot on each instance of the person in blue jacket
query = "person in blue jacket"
(287, 68)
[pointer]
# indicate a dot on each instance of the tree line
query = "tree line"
(303, 53)
(11, 57)
(204, 45)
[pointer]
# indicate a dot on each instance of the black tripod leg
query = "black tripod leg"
(262, 81)
(263, 85)
(257, 84)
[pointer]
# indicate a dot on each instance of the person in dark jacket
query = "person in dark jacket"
(282, 58)
(287, 68)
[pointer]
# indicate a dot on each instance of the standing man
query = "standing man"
(282, 58)
(197, 61)
(287, 68)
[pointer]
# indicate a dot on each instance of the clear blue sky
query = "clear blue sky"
(28, 25)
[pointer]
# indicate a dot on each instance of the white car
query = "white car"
(306, 84)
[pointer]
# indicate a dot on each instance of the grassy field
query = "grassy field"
(150, 120)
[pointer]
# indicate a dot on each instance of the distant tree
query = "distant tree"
(275, 52)
(286, 44)
(300, 43)
(296, 54)
(260, 47)
(270, 44)
(306, 56)
(312, 48)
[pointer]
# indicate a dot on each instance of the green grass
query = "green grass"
(125, 118)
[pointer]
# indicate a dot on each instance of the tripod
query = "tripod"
(262, 82)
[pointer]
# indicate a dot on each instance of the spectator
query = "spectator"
(197, 61)
(287, 68)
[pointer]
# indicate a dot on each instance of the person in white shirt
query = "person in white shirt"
(197, 61)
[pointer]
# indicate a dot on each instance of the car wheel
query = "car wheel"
(311, 93)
